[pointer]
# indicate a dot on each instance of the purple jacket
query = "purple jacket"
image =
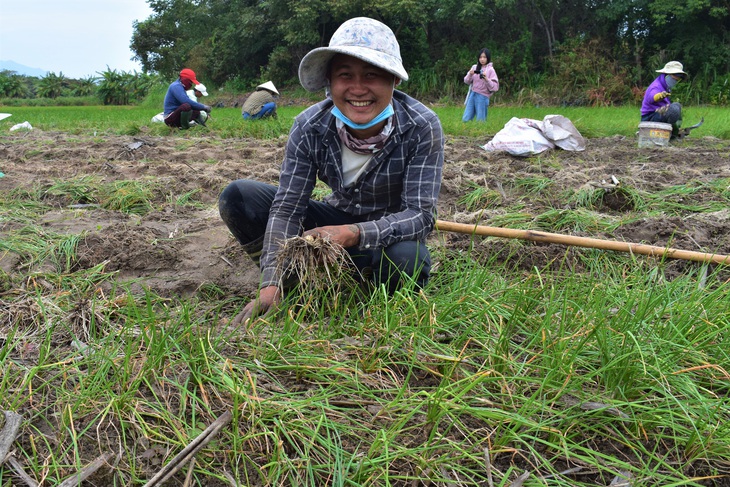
(487, 86)
(657, 86)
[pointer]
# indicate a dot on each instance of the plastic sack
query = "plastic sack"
(25, 126)
(159, 118)
(525, 136)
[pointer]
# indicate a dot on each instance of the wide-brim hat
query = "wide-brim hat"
(361, 37)
(202, 89)
(188, 73)
(268, 86)
(673, 67)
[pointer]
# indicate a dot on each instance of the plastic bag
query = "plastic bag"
(25, 126)
(525, 136)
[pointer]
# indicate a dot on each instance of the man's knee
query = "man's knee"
(246, 198)
(229, 199)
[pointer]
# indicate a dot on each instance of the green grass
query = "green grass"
(537, 373)
(227, 122)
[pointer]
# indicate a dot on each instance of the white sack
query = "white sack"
(525, 136)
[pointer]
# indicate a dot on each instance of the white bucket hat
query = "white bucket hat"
(202, 89)
(361, 37)
(268, 86)
(672, 67)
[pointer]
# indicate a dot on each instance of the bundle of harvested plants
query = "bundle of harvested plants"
(315, 262)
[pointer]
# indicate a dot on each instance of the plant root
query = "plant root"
(315, 261)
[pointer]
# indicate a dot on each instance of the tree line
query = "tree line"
(110, 87)
(596, 52)
(589, 52)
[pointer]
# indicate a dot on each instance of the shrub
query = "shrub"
(583, 73)
(719, 91)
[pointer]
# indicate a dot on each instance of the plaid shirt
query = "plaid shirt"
(393, 200)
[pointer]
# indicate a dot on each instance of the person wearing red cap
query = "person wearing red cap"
(179, 108)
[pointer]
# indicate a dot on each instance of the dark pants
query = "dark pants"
(244, 207)
(174, 119)
(671, 114)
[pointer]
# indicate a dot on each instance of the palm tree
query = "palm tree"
(114, 87)
(85, 86)
(52, 85)
(12, 85)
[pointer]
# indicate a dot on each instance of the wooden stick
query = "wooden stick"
(189, 476)
(594, 243)
(18, 469)
(189, 451)
(87, 471)
(9, 433)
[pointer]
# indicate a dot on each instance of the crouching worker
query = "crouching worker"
(381, 153)
(261, 103)
(657, 106)
(179, 108)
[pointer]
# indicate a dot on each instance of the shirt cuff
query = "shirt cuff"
(369, 235)
(268, 278)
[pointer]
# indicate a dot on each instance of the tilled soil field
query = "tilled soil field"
(177, 248)
(178, 245)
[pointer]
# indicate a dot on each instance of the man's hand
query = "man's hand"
(661, 95)
(267, 300)
(344, 235)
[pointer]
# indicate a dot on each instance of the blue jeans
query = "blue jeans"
(244, 207)
(266, 111)
(478, 105)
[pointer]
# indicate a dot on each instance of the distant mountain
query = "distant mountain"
(20, 69)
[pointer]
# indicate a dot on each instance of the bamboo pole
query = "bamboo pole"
(595, 243)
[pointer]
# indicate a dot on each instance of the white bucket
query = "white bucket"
(654, 134)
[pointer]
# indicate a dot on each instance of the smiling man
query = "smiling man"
(380, 152)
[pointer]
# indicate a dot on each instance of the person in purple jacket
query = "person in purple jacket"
(180, 109)
(483, 83)
(657, 107)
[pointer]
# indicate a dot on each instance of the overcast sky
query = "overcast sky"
(77, 37)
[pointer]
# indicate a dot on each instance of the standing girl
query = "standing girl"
(483, 83)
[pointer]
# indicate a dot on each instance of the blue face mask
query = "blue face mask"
(384, 115)
(670, 81)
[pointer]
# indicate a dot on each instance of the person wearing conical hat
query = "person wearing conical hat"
(657, 106)
(261, 103)
(380, 151)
